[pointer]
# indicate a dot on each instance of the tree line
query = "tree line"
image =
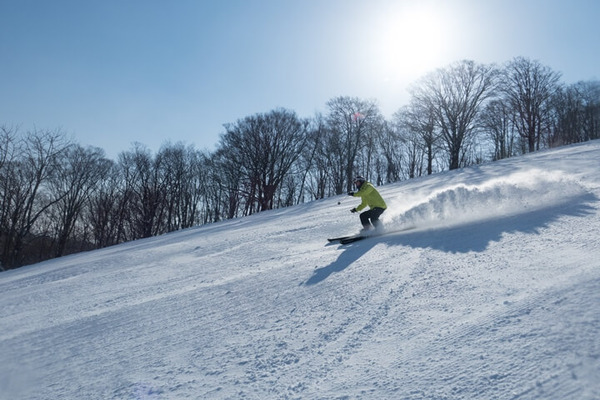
(58, 197)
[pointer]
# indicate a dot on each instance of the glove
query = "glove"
(350, 193)
(354, 210)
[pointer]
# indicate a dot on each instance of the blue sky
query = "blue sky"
(113, 72)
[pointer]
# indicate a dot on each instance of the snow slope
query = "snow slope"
(494, 295)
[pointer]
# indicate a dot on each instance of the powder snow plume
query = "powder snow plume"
(513, 194)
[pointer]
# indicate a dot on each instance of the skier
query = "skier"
(370, 197)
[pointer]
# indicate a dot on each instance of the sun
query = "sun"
(410, 42)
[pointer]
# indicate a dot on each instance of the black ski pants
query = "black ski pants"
(370, 218)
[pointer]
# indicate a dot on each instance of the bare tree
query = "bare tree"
(144, 192)
(77, 174)
(455, 95)
(223, 197)
(529, 87)
(421, 138)
(194, 187)
(264, 147)
(24, 195)
(497, 122)
(309, 160)
(576, 113)
(388, 144)
(353, 123)
(106, 208)
(590, 93)
(567, 121)
(181, 178)
(8, 183)
(322, 171)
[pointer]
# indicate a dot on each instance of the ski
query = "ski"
(356, 238)
(353, 239)
(338, 239)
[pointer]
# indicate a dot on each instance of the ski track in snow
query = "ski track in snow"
(494, 295)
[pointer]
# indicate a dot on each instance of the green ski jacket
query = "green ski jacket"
(369, 196)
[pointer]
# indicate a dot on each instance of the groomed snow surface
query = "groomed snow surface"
(494, 295)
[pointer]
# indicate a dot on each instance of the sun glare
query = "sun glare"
(411, 42)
